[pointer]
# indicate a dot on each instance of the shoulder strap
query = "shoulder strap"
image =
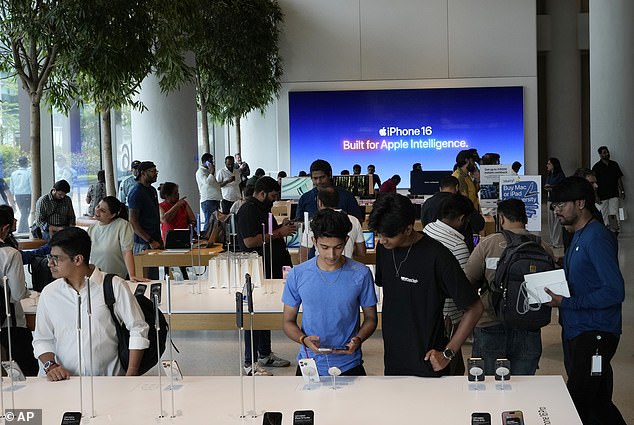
(108, 295)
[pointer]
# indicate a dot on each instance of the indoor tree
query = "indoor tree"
(32, 34)
(117, 44)
(237, 58)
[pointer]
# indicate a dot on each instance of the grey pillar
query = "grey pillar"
(612, 87)
(563, 81)
(166, 134)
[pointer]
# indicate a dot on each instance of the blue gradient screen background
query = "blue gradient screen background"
(344, 127)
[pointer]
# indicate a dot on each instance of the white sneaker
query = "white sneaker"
(259, 370)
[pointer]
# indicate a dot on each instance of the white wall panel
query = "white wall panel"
(492, 38)
(259, 140)
(320, 40)
(403, 40)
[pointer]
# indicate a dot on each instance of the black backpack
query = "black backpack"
(150, 355)
(40, 272)
(523, 255)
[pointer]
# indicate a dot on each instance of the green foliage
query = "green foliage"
(10, 156)
(237, 57)
(112, 51)
(89, 158)
(9, 111)
(32, 33)
(175, 22)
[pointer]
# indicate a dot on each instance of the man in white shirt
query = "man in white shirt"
(355, 245)
(229, 179)
(209, 188)
(447, 230)
(21, 188)
(55, 337)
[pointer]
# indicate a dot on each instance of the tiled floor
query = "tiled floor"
(216, 352)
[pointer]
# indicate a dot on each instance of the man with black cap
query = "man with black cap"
(591, 316)
(128, 183)
(144, 212)
(54, 211)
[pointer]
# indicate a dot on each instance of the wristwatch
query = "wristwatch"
(449, 354)
(48, 365)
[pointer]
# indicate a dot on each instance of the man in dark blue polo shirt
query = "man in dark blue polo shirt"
(144, 212)
(321, 174)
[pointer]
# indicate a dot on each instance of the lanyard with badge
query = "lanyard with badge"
(595, 364)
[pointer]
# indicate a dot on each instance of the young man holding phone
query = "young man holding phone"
(330, 288)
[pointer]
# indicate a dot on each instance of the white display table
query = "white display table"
(362, 401)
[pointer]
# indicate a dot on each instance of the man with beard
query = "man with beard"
(321, 175)
(229, 179)
(466, 165)
(591, 317)
(252, 215)
(144, 212)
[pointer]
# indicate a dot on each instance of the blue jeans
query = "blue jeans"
(152, 272)
(208, 207)
(523, 348)
(24, 205)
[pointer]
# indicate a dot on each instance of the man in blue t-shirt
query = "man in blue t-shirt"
(144, 212)
(330, 288)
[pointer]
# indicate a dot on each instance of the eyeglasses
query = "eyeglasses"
(557, 205)
(54, 259)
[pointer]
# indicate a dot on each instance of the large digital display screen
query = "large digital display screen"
(393, 129)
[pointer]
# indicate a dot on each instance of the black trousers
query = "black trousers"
(261, 342)
(592, 395)
(225, 206)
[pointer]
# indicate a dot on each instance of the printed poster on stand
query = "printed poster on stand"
(490, 186)
(528, 189)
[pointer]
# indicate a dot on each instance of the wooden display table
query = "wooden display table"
(27, 244)
(161, 258)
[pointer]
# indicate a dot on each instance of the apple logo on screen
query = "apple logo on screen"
(382, 132)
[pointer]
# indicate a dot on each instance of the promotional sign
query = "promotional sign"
(490, 186)
(393, 129)
(528, 189)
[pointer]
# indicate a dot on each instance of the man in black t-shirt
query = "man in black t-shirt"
(610, 190)
(417, 273)
(251, 216)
